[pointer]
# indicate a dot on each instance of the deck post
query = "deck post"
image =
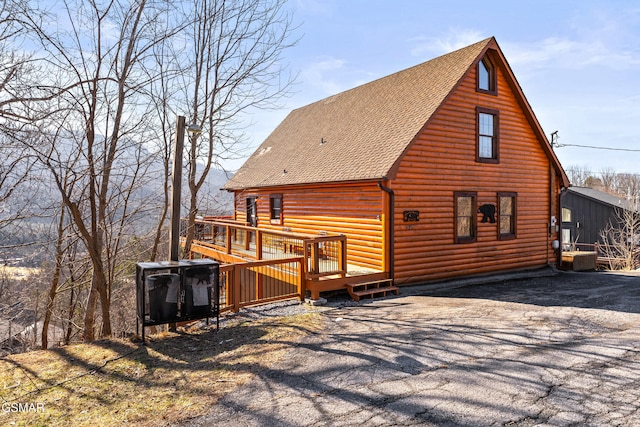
(343, 256)
(302, 280)
(259, 283)
(247, 239)
(236, 289)
(258, 244)
(228, 228)
(311, 252)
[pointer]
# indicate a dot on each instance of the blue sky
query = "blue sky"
(578, 62)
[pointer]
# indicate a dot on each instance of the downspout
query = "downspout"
(390, 225)
(563, 191)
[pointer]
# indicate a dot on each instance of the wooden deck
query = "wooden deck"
(324, 259)
(606, 258)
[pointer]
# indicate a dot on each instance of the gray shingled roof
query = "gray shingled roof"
(601, 196)
(364, 130)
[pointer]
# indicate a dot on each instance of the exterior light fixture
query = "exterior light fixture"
(194, 129)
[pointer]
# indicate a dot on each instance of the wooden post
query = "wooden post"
(302, 280)
(311, 254)
(258, 244)
(315, 254)
(228, 228)
(176, 187)
(176, 190)
(236, 289)
(343, 255)
(259, 283)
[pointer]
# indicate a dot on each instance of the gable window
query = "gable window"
(566, 215)
(487, 134)
(275, 207)
(486, 77)
(507, 215)
(465, 216)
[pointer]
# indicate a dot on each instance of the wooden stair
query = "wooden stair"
(378, 288)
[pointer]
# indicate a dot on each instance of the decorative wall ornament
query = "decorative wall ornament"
(411, 216)
(488, 213)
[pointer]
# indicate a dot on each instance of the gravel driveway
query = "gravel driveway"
(550, 350)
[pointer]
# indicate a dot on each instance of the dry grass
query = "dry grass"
(172, 378)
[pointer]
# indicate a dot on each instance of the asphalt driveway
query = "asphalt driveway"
(551, 350)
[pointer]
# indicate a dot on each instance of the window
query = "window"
(487, 130)
(465, 217)
(566, 215)
(275, 206)
(486, 77)
(507, 203)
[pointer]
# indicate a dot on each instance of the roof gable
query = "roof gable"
(360, 134)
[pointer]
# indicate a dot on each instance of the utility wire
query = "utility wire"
(597, 148)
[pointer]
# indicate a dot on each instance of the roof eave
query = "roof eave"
(305, 184)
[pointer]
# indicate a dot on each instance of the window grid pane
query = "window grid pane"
(483, 78)
(486, 147)
(464, 206)
(486, 124)
(465, 220)
(464, 227)
(507, 215)
(486, 135)
(505, 225)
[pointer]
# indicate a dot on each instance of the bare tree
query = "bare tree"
(621, 239)
(92, 107)
(16, 165)
(608, 179)
(578, 175)
(99, 80)
(237, 66)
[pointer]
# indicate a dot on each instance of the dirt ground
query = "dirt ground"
(538, 349)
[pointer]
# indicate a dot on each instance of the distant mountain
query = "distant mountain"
(39, 199)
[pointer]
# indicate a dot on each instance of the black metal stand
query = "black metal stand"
(177, 291)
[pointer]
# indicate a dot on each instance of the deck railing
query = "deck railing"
(323, 255)
(259, 282)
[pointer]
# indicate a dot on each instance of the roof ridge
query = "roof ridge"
(403, 71)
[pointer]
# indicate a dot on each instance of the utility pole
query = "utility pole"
(554, 138)
(176, 190)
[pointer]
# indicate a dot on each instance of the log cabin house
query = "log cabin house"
(435, 172)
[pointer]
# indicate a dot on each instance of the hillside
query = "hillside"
(172, 378)
(26, 244)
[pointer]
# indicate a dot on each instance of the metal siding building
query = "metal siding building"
(586, 212)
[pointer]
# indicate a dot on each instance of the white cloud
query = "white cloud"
(454, 39)
(565, 53)
(322, 75)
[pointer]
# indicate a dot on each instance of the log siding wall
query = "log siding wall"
(442, 161)
(354, 210)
